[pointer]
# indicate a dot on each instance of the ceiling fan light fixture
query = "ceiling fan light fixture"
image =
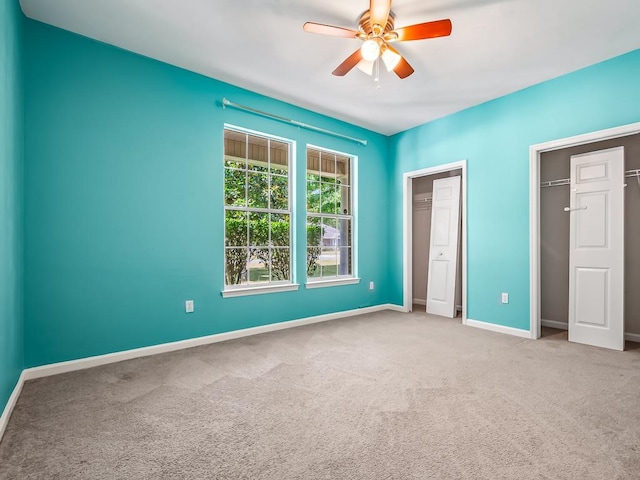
(370, 50)
(390, 59)
(366, 66)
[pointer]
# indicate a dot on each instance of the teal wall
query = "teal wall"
(123, 202)
(123, 196)
(495, 138)
(11, 285)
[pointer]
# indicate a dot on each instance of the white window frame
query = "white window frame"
(319, 282)
(267, 287)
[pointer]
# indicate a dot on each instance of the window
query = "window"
(329, 215)
(257, 210)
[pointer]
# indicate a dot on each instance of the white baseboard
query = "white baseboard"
(13, 399)
(395, 308)
(554, 324)
(632, 337)
(517, 332)
(419, 301)
(629, 337)
(89, 362)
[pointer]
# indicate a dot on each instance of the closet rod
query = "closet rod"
(227, 103)
(555, 183)
(567, 181)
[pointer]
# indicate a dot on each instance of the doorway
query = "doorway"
(417, 188)
(550, 191)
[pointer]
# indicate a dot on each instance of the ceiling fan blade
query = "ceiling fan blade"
(329, 30)
(420, 31)
(379, 12)
(348, 64)
(402, 69)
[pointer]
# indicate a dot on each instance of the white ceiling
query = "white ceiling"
(497, 47)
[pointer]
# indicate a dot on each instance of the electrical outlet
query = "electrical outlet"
(371, 285)
(505, 297)
(188, 306)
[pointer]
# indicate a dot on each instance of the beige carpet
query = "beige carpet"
(382, 396)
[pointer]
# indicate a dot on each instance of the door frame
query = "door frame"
(407, 229)
(535, 151)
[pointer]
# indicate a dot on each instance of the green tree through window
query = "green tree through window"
(329, 190)
(257, 209)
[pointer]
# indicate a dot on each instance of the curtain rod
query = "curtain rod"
(227, 103)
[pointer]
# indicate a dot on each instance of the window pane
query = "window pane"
(330, 226)
(280, 264)
(344, 232)
(329, 261)
(259, 229)
(313, 262)
(313, 161)
(279, 157)
(328, 198)
(343, 167)
(258, 189)
(313, 197)
(328, 254)
(235, 228)
(314, 231)
(344, 261)
(256, 177)
(258, 266)
(257, 153)
(235, 266)
(280, 229)
(329, 190)
(235, 187)
(328, 166)
(235, 152)
(343, 201)
(279, 192)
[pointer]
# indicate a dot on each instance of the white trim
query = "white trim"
(418, 301)
(11, 403)
(396, 308)
(534, 206)
(632, 337)
(554, 324)
(332, 283)
(407, 232)
(629, 337)
(516, 332)
(83, 363)
(242, 292)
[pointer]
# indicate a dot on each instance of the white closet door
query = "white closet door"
(443, 248)
(596, 257)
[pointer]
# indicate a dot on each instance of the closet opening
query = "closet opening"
(585, 228)
(434, 240)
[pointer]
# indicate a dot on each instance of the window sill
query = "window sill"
(242, 292)
(332, 283)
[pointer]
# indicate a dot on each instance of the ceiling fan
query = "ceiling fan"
(376, 30)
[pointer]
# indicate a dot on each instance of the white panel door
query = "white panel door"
(443, 248)
(596, 257)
